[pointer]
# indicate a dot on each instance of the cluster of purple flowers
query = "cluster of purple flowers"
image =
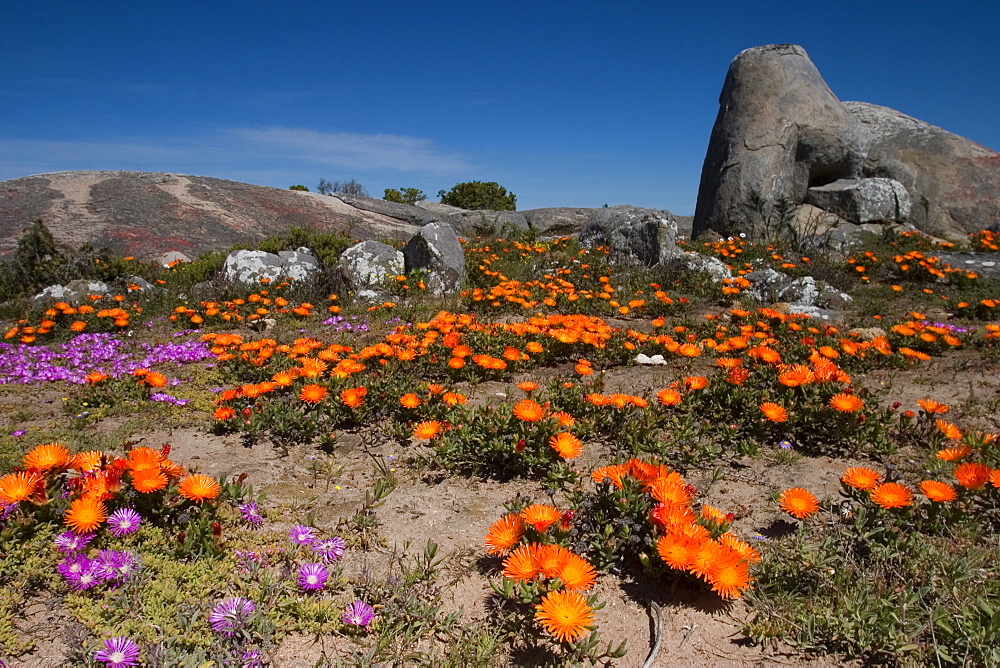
(251, 513)
(70, 362)
(313, 576)
(955, 329)
(347, 324)
(168, 398)
(230, 615)
(109, 566)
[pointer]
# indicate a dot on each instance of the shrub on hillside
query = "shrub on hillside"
(479, 195)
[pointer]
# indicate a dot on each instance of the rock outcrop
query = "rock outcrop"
(632, 234)
(435, 249)
(782, 132)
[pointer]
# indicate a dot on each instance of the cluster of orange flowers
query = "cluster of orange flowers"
(66, 315)
(698, 543)
(95, 477)
(985, 240)
(257, 305)
(564, 611)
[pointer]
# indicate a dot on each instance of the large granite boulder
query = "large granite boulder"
(435, 248)
(371, 263)
(782, 132)
(633, 234)
(954, 183)
(250, 266)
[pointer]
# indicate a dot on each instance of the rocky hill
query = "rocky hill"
(145, 214)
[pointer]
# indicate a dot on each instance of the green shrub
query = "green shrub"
(479, 195)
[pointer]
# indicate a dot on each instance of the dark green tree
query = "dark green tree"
(404, 195)
(302, 188)
(479, 195)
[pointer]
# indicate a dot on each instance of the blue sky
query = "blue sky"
(563, 103)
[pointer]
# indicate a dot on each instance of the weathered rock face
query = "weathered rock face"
(435, 248)
(782, 132)
(371, 263)
(481, 222)
(633, 234)
(145, 214)
(249, 266)
(954, 183)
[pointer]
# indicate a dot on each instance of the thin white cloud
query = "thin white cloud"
(230, 152)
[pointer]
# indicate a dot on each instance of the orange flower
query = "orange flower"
(144, 458)
(860, 477)
(798, 502)
(695, 382)
(199, 487)
(313, 394)
(689, 350)
(774, 412)
(737, 376)
(955, 453)
(796, 375)
(564, 615)
(614, 473)
(527, 386)
(972, 475)
(425, 431)
(47, 456)
(576, 573)
(892, 495)
(729, 577)
(223, 413)
(949, 430)
(740, 547)
(85, 514)
(409, 400)
(148, 480)
(540, 516)
(567, 445)
(155, 379)
(528, 411)
(353, 397)
(846, 403)
(504, 534)
(95, 377)
(668, 397)
(86, 461)
(671, 489)
(677, 550)
(941, 492)
(930, 406)
(17, 487)
(563, 418)
(522, 563)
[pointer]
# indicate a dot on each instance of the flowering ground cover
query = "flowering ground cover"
(492, 479)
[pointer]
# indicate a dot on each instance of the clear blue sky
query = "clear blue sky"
(564, 103)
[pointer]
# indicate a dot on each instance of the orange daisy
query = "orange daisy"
(567, 445)
(17, 487)
(565, 615)
(528, 411)
(774, 412)
(409, 400)
(668, 397)
(144, 458)
(955, 453)
(313, 394)
(353, 397)
(148, 480)
(522, 563)
(85, 514)
(541, 516)
(861, 477)
(613, 472)
(695, 382)
(931, 406)
(972, 475)
(798, 502)
(504, 534)
(677, 550)
(941, 492)
(729, 577)
(949, 430)
(846, 403)
(199, 487)
(425, 431)
(577, 574)
(527, 386)
(892, 495)
(48, 456)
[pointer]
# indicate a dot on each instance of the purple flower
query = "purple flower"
(124, 521)
(251, 513)
(73, 567)
(69, 542)
(330, 550)
(251, 659)
(302, 535)
(313, 576)
(358, 613)
(168, 398)
(19, 432)
(231, 614)
(115, 565)
(117, 652)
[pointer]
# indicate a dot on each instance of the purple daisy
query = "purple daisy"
(231, 614)
(74, 567)
(116, 565)
(117, 652)
(91, 575)
(313, 576)
(330, 550)
(69, 542)
(359, 613)
(251, 513)
(124, 521)
(302, 535)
